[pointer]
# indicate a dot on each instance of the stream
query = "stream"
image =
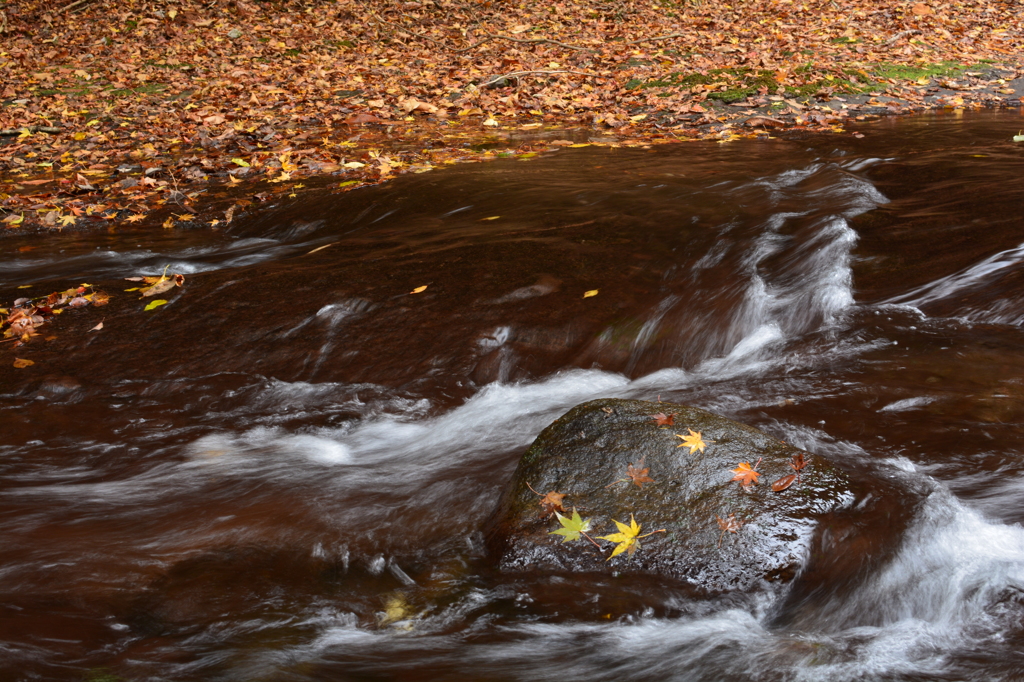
(283, 474)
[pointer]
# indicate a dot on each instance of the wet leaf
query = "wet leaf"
(97, 327)
(729, 524)
(1018, 138)
(418, 290)
(588, 294)
(783, 483)
(626, 539)
(662, 419)
(552, 503)
(638, 472)
(572, 527)
(155, 304)
(692, 440)
(21, 363)
(745, 474)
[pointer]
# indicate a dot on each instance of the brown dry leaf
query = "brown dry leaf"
(729, 524)
(783, 483)
(552, 502)
(97, 327)
(638, 472)
(662, 419)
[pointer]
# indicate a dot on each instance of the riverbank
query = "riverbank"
(186, 114)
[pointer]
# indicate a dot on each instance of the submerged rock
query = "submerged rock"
(810, 527)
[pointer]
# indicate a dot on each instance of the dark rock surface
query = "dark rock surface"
(825, 526)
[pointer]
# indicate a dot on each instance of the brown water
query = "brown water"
(243, 484)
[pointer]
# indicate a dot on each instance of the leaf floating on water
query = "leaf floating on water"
(1018, 138)
(20, 363)
(783, 483)
(588, 294)
(418, 290)
(572, 527)
(155, 304)
(493, 217)
(97, 327)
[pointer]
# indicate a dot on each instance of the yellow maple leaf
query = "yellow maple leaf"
(693, 441)
(135, 217)
(626, 539)
(67, 220)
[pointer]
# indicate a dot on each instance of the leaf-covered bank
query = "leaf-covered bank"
(122, 110)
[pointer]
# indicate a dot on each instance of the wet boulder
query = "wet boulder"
(613, 462)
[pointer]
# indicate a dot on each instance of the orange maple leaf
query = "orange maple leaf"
(746, 474)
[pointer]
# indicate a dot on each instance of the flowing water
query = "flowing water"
(284, 473)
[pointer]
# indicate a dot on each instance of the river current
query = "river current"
(283, 474)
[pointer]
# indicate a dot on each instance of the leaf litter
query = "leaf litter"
(116, 111)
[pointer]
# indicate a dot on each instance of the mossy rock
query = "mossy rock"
(783, 534)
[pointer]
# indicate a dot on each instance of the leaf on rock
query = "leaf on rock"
(662, 419)
(552, 503)
(638, 472)
(745, 474)
(692, 440)
(783, 483)
(572, 527)
(626, 539)
(729, 524)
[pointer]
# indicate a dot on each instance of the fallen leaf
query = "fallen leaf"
(729, 524)
(745, 474)
(692, 440)
(572, 527)
(588, 294)
(552, 503)
(783, 483)
(19, 363)
(419, 289)
(662, 419)
(625, 540)
(628, 537)
(97, 327)
(155, 304)
(638, 472)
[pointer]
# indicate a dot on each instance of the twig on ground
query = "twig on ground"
(76, 3)
(493, 81)
(31, 129)
(901, 35)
